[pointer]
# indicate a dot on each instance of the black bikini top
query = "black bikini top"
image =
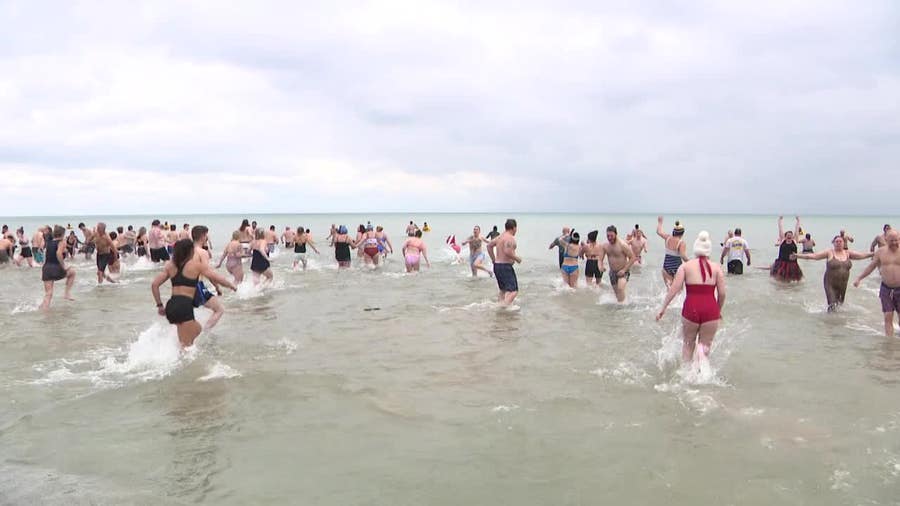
(180, 279)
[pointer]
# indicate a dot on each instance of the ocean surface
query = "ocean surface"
(365, 387)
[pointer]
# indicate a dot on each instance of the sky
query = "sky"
(559, 106)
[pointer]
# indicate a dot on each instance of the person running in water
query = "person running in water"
(384, 244)
(638, 242)
(156, 240)
(887, 261)
(259, 262)
(413, 250)
(184, 270)
(785, 267)
(88, 240)
(620, 258)
(233, 256)
(271, 240)
(54, 268)
(837, 269)
(106, 251)
(701, 312)
(493, 234)
(675, 250)
(342, 246)
(287, 237)
(880, 240)
(202, 295)
(561, 242)
(502, 250)
(571, 254)
(302, 241)
(476, 252)
(39, 243)
(736, 248)
(807, 244)
(25, 254)
(594, 254)
(369, 241)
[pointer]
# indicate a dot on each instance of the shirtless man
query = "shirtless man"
(411, 229)
(130, 239)
(106, 251)
(620, 258)
(476, 253)
(413, 249)
(89, 245)
(271, 239)
(638, 243)
(38, 244)
(287, 237)
(6, 248)
(887, 260)
(845, 236)
(185, 232)
(202, 295)
(594, 254)
(880, 240)
(156, 241)
(502, 251)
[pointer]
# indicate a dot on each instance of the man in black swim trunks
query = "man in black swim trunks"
(503, 258)
(89, 245)
(106, 250)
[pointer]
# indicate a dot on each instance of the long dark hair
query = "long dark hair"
(182, 252)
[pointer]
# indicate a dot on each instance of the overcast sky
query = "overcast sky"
(289, 106)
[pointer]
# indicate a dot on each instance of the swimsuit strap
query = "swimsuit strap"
(704, 268)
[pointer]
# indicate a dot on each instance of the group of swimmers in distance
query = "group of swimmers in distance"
(187, 253)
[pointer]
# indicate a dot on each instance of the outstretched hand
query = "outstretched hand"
(660, 315)
(856, 284)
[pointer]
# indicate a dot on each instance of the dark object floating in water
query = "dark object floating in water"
(372, 309)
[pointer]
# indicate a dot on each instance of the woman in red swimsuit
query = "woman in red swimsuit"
(705, 285)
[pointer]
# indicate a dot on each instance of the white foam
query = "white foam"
(247, 290)
(26, 307)
(220, 371)
(504, 409)
(141, 264)
(840, 480)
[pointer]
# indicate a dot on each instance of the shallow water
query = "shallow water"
(377, 387)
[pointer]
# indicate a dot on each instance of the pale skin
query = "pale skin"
(620, 259)
(234, 251)
(104, 245)
(573, 252)
(193, 268)
(88, 238)
(838, 251)
(638, 245)
(880, 240)
(594, 251)
(261, 245)
(887, 261)
(727, 250)
(19, 258)
(689, 272)
(475, 243)
(502, 250)
(304, 238)
(212, 304)
(674, 243)
(70, 277)
(415, 246)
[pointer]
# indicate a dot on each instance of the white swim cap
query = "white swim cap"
(702, 246)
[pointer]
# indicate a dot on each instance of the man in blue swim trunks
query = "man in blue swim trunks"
(503, 258)
(202, 296)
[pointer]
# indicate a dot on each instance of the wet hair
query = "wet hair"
(592, 235)
(113, 235)
(418, 233)
(260, 233)
(362, 228)
(58, 231)
(809, 236)
(244, 224)
(198, 231)
(182, 252)
(576, 238)
(173, 227)
(120, 229)
(272, 228)
(613, 229)
(130, 228)
(737, 231)
(142, 231)
(510, 224)
(154, 223)
(80, 225)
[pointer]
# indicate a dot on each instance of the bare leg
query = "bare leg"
(218, 310)
(48, 294)
(889, 324)
(707, 333)
(620, 289)
(509, 297)
(268, 275)
(187, 332)
(667, 278)
(689, 330)
(70, 280)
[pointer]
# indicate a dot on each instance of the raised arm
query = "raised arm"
(822, 255)
(868, 270)
(856, 255)
(674, 289)
(780, 230)
(659, 228)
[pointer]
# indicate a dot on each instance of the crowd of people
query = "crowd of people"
(187, 256)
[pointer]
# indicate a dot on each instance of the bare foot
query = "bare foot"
(68, 297)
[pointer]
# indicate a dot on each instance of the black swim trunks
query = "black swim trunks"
(52, 272)
(180, 309)
(159, 254)
(506, 277)
(103, 261)
(735, 267)
(614, 276)
(592, 269)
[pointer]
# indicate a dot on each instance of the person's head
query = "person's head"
(235, 236)
(361, 228)
(379, 228)
(893, 239)
(120, 230)
(113, 235)
(272, 228)
(410, 222)
(476, 230)
(301, 230)
(678, 231)
(566, 231)
(4, 229)
(789, 236)
(101, 228)
(418, 234)
(612, 233)
(20, 231)
(737, 231)
(702, 246)
(494, 229)
(260, 234)
(253, 224)
(592, 235)
(185, 226)
(838, 243)
(808, 237)
(244, 225)
(154, 223)
(142, 231)
(130, 228)
(342, 230)
(173, 228)
(843, 232)
(511, 226)
(287, 228)
(182, 252)
(637, 227)
(369, 227)
(80, 227)
(730, 234)
(58, 231)
(199, 233)
(72, 234)
(886, 228)
(576, 238)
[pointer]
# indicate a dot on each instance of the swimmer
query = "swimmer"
(736, 248)
(675, 250)
(837, 269)
(561, 242)
(88, 240)
(887, 261)
(476, 253)
(115, 265)
(301, 241)
(140, 242)
(502, 251)
(184, 233)
(106, 250)
(369, 242)
(156, 242)
(493, 234)
(701, 312)
(638, 242)
(785, 267)
(807, 243)
(847, 238)
(620, 258)
(571, 254)
(39, 243)
(54, 268)
(594, 254)
(233, 255)
(413, 249)
(6, 248)
(880, 240)
(25, 254)
(202, 295)
(342, 246)
(425, 227)
(287, 237)
(271, 240)
(384, 244)
(184, 270)
(259, 263)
